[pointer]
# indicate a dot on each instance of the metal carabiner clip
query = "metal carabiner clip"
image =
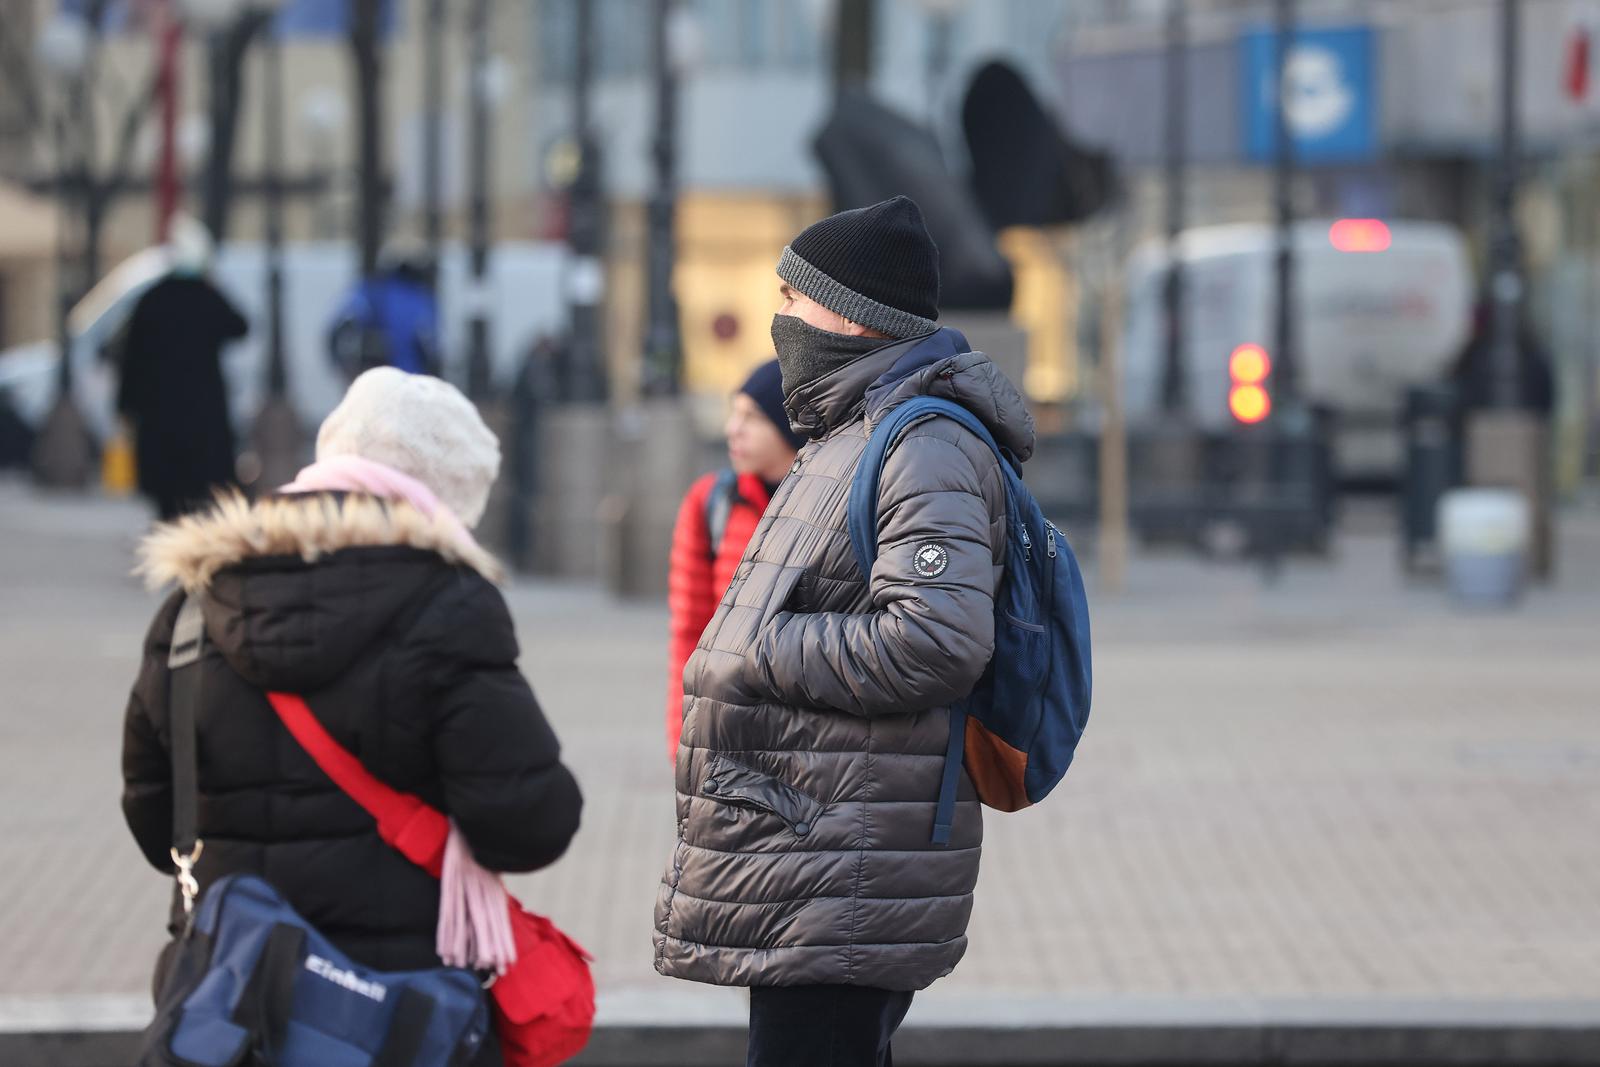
(187, 884)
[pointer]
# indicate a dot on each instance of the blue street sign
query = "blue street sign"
(1331, 98)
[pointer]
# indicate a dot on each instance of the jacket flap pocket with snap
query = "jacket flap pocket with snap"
(744, 787)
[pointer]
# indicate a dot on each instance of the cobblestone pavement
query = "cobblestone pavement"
(1334, 788)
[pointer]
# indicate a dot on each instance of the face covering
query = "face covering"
(806, 353)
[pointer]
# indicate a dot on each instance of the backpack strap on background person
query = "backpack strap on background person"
(719, 507)
(183, 706)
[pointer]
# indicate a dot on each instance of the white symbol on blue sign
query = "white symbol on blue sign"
(1328, 94)
(1317, 98)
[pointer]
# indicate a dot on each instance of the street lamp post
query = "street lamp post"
(272, 172)
(1505, 277)
(1507, 442)
(1284, 368)
(663, 346)
(480, 80)
(1174, 382)
(278, 436)
(586, 228)
(63, 455)
(432, 134)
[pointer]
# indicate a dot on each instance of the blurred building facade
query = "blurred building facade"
(319, 166)
(756, 88)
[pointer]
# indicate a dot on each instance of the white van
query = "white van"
(1381, 306)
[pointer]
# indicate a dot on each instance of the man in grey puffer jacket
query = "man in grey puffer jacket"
(815, 707)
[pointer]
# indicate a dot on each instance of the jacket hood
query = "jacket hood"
(294, 588)
(939, 364)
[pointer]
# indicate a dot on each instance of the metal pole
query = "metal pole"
(369, 95)
(432, 132)
(941, 28)
(1174, 383)
(169, 34)
(662, 341)
(66, 181)
(272, 166)
(1284, 368)
(586, 228)
(62, 453)
(1506, 283)
(277, 439)
(852, 58)
(478, 371)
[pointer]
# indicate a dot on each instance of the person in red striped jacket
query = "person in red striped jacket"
(717, 518)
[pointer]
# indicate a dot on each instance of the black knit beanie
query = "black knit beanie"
(765, 387)
(874, 265)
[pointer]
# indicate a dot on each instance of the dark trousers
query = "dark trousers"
(823, 1026)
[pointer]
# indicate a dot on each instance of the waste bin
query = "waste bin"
(1485, 536)
(1432, 455)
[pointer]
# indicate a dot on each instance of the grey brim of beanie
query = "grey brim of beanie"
(862, 310)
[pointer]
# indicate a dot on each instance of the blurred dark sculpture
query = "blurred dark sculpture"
(1025, 170)
(871, 154)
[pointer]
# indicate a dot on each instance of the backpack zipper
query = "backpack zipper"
(1050, 539)
(1027, 545)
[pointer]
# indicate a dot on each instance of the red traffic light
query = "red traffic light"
(1249, 365)
(1360, 235)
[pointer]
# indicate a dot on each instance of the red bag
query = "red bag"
(544, 1005)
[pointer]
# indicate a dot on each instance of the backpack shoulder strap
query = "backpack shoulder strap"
(862, 507)
(719, 507)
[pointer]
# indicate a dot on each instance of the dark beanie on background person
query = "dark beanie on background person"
(874, 265)
(765, 387)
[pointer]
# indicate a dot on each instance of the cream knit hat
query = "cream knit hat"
(420, 426)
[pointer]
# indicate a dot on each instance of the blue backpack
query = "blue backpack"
(1017, 731)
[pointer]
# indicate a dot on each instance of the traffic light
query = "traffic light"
(1248, 399)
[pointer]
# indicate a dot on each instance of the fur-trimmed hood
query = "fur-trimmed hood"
(298, 588)
(192, 550)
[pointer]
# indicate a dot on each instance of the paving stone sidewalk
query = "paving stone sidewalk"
(1334, 789)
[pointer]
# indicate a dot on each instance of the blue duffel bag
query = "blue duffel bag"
(253, 982)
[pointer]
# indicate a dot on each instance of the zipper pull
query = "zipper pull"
(1050, 540)
(1027, 545)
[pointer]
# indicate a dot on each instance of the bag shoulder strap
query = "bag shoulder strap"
(405, 822)
(183, 701)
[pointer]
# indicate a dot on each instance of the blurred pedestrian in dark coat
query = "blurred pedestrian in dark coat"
(172, 391)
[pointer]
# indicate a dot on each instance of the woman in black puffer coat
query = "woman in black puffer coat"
(379, 608)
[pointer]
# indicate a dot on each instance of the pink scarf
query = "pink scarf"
(355, 474)
(474, 909)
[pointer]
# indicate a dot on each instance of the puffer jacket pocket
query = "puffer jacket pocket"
(730, 782)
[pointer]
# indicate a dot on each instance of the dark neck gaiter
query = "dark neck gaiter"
(806, 353)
